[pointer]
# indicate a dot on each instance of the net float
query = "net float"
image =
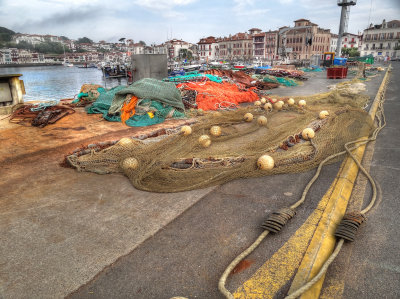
(268, 106)
(130, 163)
(291, 102)
(257, 103)
(205, 140)
(302, 103)
(265, 162)
(278, 105)
(186, 130)
(262, 120)
(308, 133)
(215, 131)
(248, 117)
(125, 141)
(263, 100)
(323, 114)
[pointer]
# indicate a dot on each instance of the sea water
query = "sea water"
(47, 83)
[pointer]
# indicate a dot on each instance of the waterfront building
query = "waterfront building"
(350, 40)
(5, 56)
(238, 47)
(334, 39)
(265, 46)
(207, 48)
(382, 40)
(303, 41)
(174, 47)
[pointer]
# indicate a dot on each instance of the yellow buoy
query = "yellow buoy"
(186, 130)
(308, 133)
(265, 162)
(205, 140)
(282, 102)
(125, 141)
(263, 100)
(257, 103)
(323, 114)
(274, 101)
(248, 117)
(291, 102)
(130, 163)
(262, 120)
(302, 103)
(278, 105)
(215, 131)
(268, 106)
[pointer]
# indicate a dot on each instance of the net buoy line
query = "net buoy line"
(346, 229)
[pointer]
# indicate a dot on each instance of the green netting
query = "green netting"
(193, 77)
(161, 98)
(280, 80)
(152, 89)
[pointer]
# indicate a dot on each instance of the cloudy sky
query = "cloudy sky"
(155, 20)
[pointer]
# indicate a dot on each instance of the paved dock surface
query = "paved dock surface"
(91, 236)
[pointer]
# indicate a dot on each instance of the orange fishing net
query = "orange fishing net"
(128, 109)
(212, 95)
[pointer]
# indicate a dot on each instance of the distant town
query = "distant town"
(302, 41)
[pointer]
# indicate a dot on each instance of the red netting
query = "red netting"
(210, 94)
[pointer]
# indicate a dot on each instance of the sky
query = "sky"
(155, 21)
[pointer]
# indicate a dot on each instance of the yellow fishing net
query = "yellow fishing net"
(177, 162)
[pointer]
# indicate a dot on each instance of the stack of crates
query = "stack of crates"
(336, 72)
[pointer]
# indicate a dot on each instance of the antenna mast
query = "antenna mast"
(344, 21)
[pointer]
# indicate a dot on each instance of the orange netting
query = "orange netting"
(128, 109)
(212, 95)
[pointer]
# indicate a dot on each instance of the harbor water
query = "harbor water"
(46, 83)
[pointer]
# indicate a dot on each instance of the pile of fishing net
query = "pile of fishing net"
(277, 72)
(212, 96)
(280, 80)
(187, 160)
(87, 95)
(242, 79)
(145, 102)
(40, 115)
(193, 77)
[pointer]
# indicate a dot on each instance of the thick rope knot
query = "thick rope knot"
(278, 219)
(349, 225)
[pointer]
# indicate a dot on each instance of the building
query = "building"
(5, 56)
(265, 45)
(174, 47)
(382, 40)
(238, 47)
(303, 41)
(334, 39)
(350, 40)
(207, 48)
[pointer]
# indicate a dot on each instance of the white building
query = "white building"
(382, 40)
(207, 48)
(334, 39)
(174, 47)
(5, 56)
(350, 40)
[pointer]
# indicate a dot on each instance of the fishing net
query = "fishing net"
(280, 80)
(177, 162)
(210, 95)
(154, 102)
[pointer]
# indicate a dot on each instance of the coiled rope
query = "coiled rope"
(381, 124)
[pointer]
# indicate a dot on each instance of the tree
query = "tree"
(84, 40)
(6, 34)
(351, 52)
(142, 43)
(122, 39)
(64, 38)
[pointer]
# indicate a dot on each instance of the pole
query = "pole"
(342, 25)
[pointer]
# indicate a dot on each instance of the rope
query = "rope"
(381, 124)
